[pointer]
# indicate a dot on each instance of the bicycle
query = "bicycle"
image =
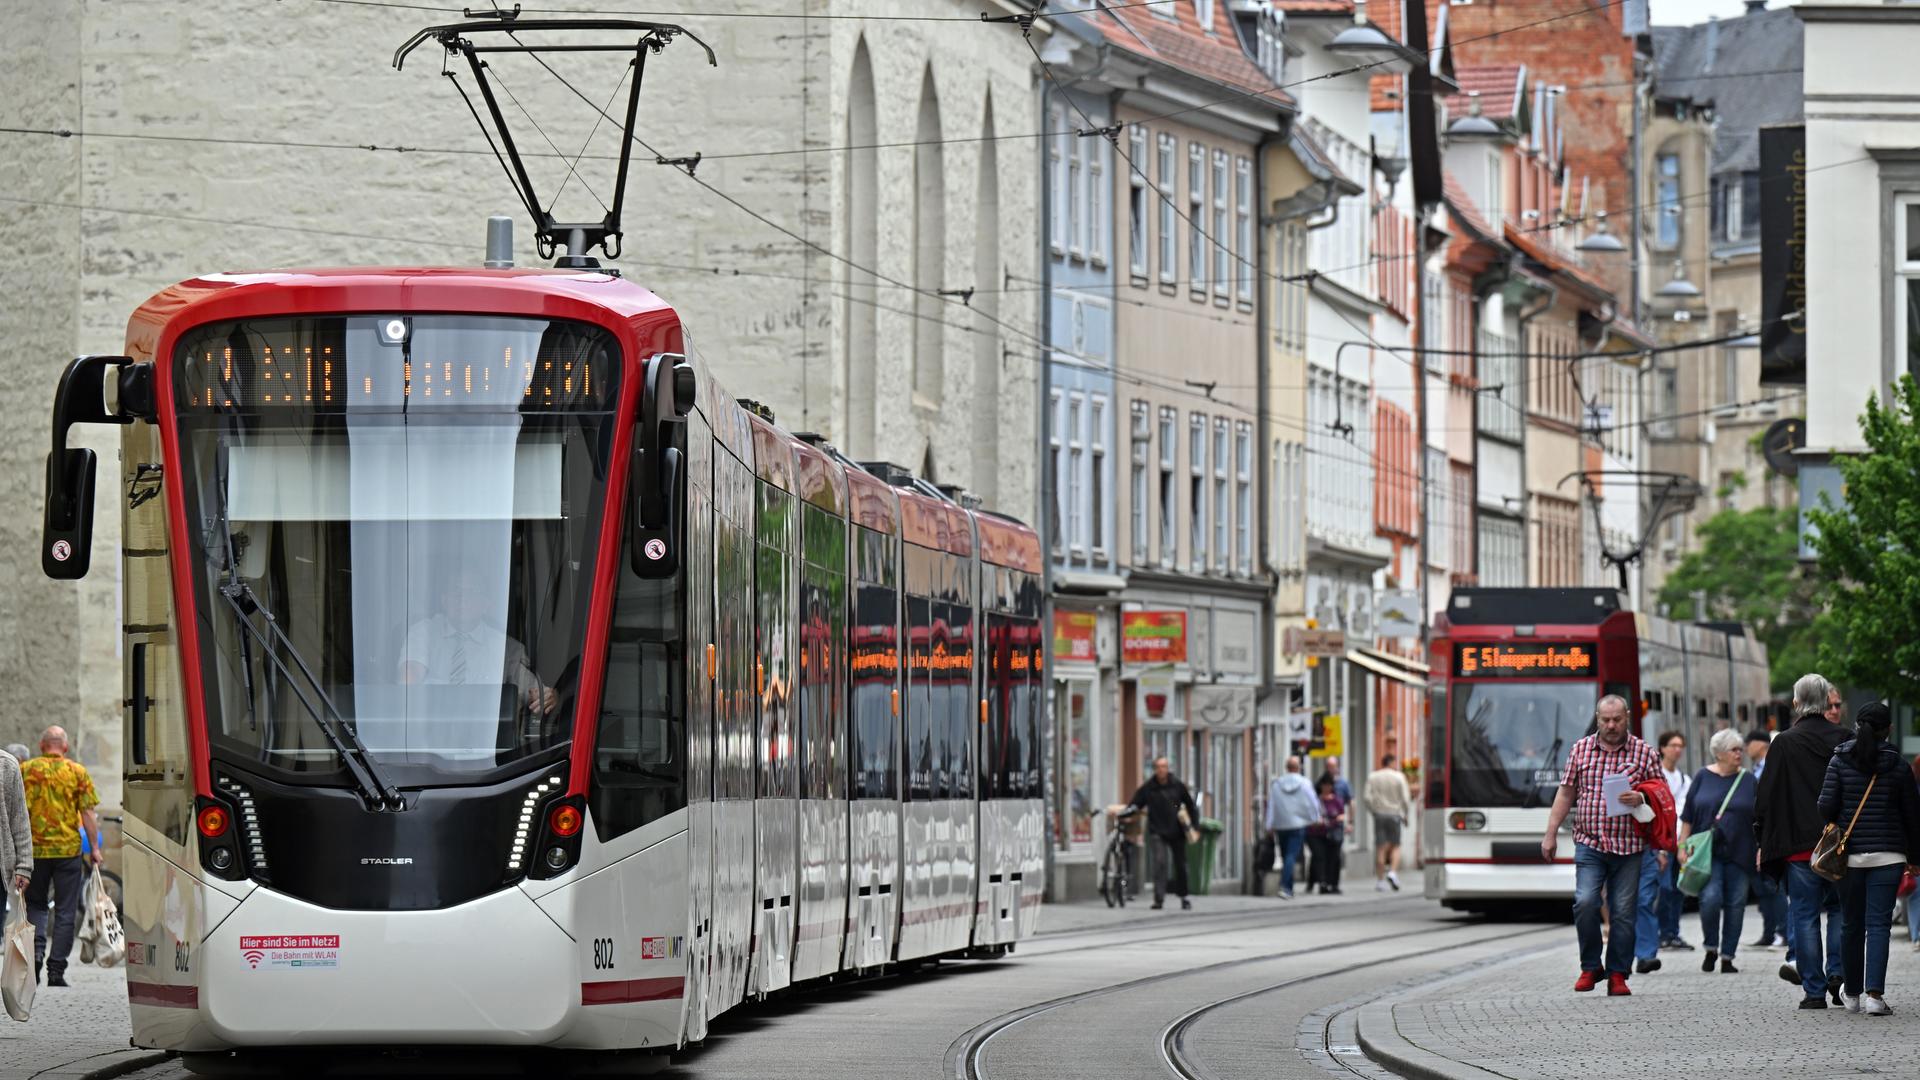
(1116, 884)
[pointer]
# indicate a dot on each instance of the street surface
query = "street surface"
(1241, 987)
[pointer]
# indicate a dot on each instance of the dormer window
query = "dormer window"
(1203, 11)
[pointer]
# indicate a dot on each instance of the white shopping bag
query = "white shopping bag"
(16, 969)
(88, 934)
(109, 940)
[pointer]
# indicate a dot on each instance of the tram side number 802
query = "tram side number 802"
(603, 954)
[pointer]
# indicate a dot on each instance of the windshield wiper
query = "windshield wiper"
(374, 787)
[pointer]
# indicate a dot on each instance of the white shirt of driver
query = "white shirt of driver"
(480, 655)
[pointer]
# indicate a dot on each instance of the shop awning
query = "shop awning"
(1407, 663)
(1385, 670)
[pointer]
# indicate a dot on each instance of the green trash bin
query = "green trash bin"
(1200, 856)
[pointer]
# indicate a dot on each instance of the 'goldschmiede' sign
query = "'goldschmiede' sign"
(1783, 254)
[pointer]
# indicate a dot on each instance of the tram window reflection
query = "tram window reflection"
(1510, 739)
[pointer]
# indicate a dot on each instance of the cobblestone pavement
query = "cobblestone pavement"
(1523, 1021)
(74, 1031)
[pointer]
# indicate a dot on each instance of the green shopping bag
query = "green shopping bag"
(1696, 851)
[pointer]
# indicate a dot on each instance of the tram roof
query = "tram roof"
(1486, 606)
(530, 291)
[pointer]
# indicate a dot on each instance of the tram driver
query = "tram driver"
(459, 644)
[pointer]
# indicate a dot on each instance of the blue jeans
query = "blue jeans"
(1646, 929)
(1289, 842)
(1808, 897)
(1869, 893)
(1913, 921)
(1619, 875)
(1671, 899)
(1772, 901)
(1723, 908)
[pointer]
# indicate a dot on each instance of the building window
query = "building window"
(1196, 218)
(1137, 202)
(1666, 202)
(1222, 257)
(1169, 493)
(1289, 486)
(1503, 552)
(1097, 481)
(1222, 554)
(1076, 475)
(1906, 289)
(1243, 229)
(1142, 450)
(1076, 195)
(1440, 511)
(1290, 324)
(1197, 493)
(1734, 214)
(1053, 470)
(1500, 388)
(1243, 497)
(1463, 510)
(1099, 222)
(1203, 11)
(1164, 174)
(1057, 169)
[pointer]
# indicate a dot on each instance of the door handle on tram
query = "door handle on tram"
(711, 668)
(139, 702)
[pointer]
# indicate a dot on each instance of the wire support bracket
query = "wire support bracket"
(459, 40)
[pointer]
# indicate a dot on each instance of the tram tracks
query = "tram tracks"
(965, 1057)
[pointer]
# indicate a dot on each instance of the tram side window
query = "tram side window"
(773, 626)
(922, 750)
(823, 655)
(1435, 759)
(1001, 742)
(960, 712)
(639, 772)
(876, 658)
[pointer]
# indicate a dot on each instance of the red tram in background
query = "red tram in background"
(1517, 674)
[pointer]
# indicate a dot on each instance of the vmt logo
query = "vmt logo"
(382, 861)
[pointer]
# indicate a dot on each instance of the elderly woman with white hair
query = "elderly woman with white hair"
(1721, 800)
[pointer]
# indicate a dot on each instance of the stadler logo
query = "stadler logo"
(383, 861)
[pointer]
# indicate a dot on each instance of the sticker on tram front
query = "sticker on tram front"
(662, 948)
(301, 952)
(656, 549)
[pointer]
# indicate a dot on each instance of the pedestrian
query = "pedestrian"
(16, 830)
(1606, 847)
(1291, 807)
(1389, 799)
(1767, 896)
(1163, 796)
(1721, 802)
(1788, 823)
(1335, 771)
(1673, 746)
(19, 752)
(60, 801)
(1328, 835)
(1868, 793)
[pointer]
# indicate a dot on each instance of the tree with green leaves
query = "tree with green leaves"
(1747, 570)
(1870, 633)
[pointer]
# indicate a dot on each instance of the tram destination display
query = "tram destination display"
(1527, 660)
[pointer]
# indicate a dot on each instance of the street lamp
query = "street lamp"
(1601, 242)
(1364, 41)
(1473, 126)
(1679, 288)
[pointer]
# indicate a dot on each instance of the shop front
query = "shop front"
(1085, 703)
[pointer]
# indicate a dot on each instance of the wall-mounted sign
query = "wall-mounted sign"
(1074, 633)
(1327, 738)
(1154, 697)
(1153, 637)
(1323, 642)
(1397, 614)
(1783, 255)
(1221, 706)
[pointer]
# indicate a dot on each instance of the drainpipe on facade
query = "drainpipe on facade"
(1045, 518)
(1263, 423)
(1421, 345)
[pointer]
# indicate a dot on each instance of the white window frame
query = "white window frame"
(1196, 213)
(1141, 511)
(1222, 240)
(1057, 404)
(1056, 170)
(1734, 208)
(1097, 481)
(1137, 242)
(1169, 246)
(1197, 492)
(1243, 497)
(1221, 551)
(1666, 201)
(1098, 220)
(1203, 14)
(1076, 198)
(1076, 474)
(1906, 275)
(1243, 226)
(1169, 494)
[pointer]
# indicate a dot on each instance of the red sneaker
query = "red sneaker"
(1587, 981)
(1617, 986)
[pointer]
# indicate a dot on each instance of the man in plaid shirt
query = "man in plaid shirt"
(1606, 849)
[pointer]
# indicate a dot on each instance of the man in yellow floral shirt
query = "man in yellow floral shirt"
(60, 801)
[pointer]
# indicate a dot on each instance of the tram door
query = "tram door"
(774, 809)
(700, 734)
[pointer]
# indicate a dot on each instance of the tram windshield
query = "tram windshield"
(1510, 739)
(414, 501)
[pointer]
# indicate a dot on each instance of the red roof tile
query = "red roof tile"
(1495, 84)
(1314, 7)
(1549, 256)
(1180, 42)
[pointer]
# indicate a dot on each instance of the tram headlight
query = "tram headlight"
(557, 858)
(1466, 821)
(221, 859)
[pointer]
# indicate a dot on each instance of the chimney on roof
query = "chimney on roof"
(1756, 6)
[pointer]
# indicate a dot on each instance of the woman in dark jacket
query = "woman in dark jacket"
(1328, 836)
(1884, 838)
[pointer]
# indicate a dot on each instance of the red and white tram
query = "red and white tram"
(1517, 675)
(493, 678)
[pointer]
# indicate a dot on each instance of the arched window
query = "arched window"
(860, 221)
(986, 339)
(929, 247)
